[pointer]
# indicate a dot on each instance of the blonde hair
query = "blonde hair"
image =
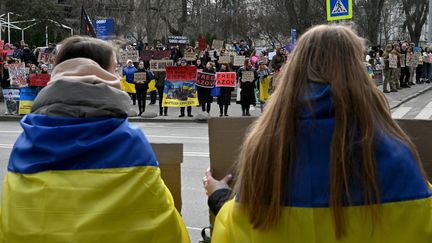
(268, 153)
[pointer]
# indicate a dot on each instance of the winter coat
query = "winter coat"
(204, 95)
(129, 73)
(247, 93)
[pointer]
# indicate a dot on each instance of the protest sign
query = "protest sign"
(39, 80)
(181, 73)
(264, 88)
(160, 65)
(378, 77)
(411, 60)
(1, 44)
(129, 54)
(226, 79)
(46, 58)
(205, 80)
(104, 28)
(190, 56)
(202, 43)
(393, 60)
(217, 44)
(146, 55)
(158, 55)
(248, 76)
(18, 75)
(224, 59)
(27, 96)
(11, 98)
(178, 40)
(140, 78)
(239, 60)
(419, 58)
(180, 93)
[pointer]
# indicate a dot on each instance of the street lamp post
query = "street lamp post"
(9, 27)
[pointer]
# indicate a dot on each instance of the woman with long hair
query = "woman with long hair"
(326, 162)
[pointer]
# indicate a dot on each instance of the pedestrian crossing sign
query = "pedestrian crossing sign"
(339, 9)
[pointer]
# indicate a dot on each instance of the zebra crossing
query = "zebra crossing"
(407, 112)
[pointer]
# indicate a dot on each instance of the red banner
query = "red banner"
(39, 79)
(158, 55)
(146, 55)
(183, 73)
(226, 79)
(205, 80)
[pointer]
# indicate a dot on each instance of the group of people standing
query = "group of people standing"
(260, 65)
(405, 65)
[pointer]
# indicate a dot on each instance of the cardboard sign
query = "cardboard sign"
(239, 61)
(226, 136)
(129, 54)
(182, 73)
(160, 65)
(11, 99)
(27, 96)
(202, 43)
(180, 94)
(1, 44)
(217, 44)
(190, 56)
(411, 60)
(393, 61)
(378, 77)
(178, 40)
(226, 79)
(170, 157)
(206, 80)
(158, 55)
(146, 55)
(140, 78)
(248, 76)
(46, 58)
(224, 59)
(39, 80)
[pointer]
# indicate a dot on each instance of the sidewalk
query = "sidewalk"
(152, 111)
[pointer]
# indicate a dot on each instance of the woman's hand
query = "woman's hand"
(211, 184)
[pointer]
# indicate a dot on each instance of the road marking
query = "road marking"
(196, 154)
(193, 228)
(424, 114)
(429, 105)
(6, 146)
(400, 112)
(176, 137)
(18, 132)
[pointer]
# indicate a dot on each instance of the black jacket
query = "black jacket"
(217, 199)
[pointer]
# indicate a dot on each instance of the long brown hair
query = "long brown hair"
(325, 54)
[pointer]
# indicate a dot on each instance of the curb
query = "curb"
(410, 97)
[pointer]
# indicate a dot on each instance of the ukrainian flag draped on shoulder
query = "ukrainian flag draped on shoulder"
(406, 196)
(86, 180)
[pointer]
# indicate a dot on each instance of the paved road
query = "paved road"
(196, 160)
(418, 108)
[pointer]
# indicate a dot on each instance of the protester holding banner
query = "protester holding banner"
(93, 176)
(419, 68)
(395, 65)
(204, 97)
(264, 83)
(278, 60)
(326, 162)
(183, 62)
(411, 63)
(141, 80)
(224, 99)
(129, 72)
(426, 65)
(246, 76)
(160, 85)
(388, 72)
(405, 72)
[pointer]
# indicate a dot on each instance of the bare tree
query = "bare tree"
(367, 16)
(416, 12)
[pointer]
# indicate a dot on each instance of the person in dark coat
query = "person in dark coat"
(141, 88)
(204, 97)
(160, 85)
(247, 93)
(278, 60)
(224, 100)
(29, 57)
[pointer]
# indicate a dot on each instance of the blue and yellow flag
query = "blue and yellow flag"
(85, 180)
(406, 197)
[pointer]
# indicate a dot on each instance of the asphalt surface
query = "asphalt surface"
(194, 136)
(417, 108)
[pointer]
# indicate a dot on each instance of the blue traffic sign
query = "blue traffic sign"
(339, 9)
